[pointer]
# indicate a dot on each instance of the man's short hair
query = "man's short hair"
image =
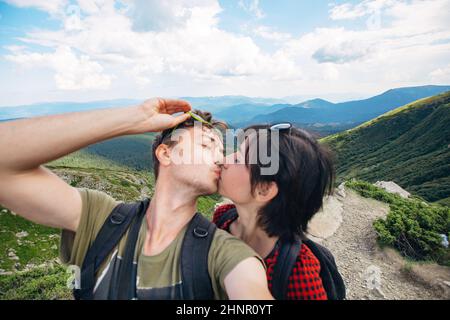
(166, 135)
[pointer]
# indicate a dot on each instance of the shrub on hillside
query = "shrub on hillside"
(412, 226)
(46, 283)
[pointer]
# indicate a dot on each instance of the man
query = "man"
(35, 193)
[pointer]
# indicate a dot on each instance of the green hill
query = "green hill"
(131, 152)
(408, 145)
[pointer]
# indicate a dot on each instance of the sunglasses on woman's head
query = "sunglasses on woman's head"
(281, 126)
(276, 127)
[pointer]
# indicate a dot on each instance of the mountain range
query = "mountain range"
(326, 117)
(318, 115)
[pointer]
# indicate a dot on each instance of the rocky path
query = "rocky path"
(368, 271)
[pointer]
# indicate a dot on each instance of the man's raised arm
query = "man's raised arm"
(34, 192)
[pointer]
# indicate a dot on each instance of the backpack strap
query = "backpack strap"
(109, 235)
(228, 215)
(194, 259)
(287, 257)
(126, 285)
(331, 279)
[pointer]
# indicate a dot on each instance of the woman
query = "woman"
(271, 211)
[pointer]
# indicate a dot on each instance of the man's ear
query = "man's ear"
(162, 153)
(266, 191)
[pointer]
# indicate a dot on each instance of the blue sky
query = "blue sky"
(295, 17)
(83, 50)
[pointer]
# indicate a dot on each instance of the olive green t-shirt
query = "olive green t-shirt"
(158, 276)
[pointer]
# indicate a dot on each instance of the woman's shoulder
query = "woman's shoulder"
(220, 210)
(305, 282)
(306, 274)
(307, 257)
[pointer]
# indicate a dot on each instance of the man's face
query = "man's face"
(197, 158)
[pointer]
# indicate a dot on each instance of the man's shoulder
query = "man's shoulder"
(226, 244)
(96, 207)
(96, 201)
(222, 235)
(96, 195)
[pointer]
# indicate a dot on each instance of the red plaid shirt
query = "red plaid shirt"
(304, 282)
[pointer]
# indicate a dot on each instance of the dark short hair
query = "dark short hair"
(165, 136)
(305, 175)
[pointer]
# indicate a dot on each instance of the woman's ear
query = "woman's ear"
(266, 191)
(162, 153)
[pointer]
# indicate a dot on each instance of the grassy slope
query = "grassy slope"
(409, 145)
(126, 152)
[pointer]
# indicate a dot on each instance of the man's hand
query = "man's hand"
(159, 114)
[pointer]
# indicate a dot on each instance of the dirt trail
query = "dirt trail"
(345, 227)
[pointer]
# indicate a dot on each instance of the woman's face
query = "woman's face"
(234, 182)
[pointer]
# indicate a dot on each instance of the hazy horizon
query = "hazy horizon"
(293, 99)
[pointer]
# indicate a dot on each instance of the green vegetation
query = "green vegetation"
(444, 202)
(409, 145)
(206, 205)
(85, 160)
(38, 245)
(133, 152)
(41, 283)
(32, 276)
(412, 226)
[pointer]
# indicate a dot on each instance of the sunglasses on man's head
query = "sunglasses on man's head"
(195, 116)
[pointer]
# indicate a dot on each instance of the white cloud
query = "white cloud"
(53, 6)
(178, 48)
(269, 34)
(89, 6)
(342, 51)
(196, 46)
(151, 15)
(346, 11)
(407, 27)
(409, 47)
(72, 72)
(15, 48)
(252, 6)
(351, 11)
(441, 75)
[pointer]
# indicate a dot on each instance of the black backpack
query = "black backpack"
(331, 279)
(196, 282)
